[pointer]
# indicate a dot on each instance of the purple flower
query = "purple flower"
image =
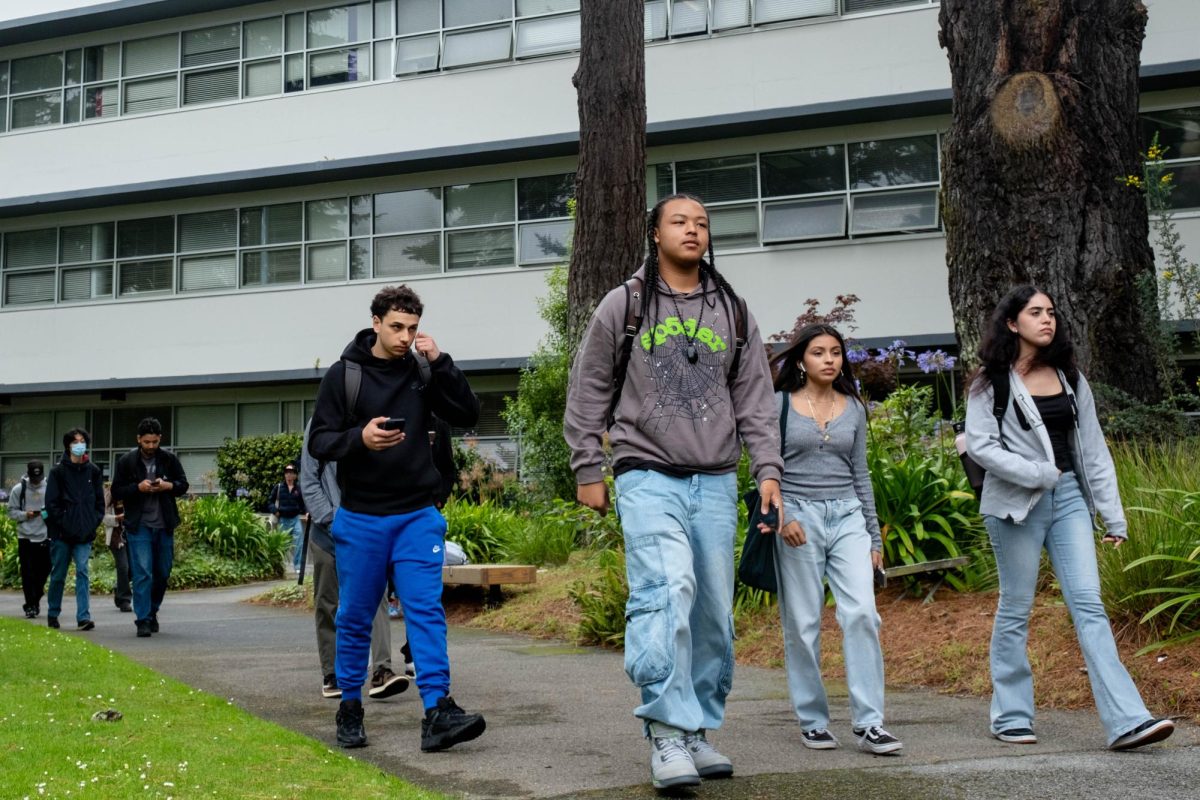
(935, 361)
(242, 491)
(857, 354)
(896, 353)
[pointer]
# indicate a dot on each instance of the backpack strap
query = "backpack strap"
(741, 333)
(352, 373)
(422, 366)
(633, 323)
(24, 493)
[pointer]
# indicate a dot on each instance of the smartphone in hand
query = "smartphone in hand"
(393, 424)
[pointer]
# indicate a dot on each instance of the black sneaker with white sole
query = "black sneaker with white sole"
(1017, 736)
(385, 683)
(818, 739)
(876, 740)
(329, 686)
(1149, 732)
(446, 725)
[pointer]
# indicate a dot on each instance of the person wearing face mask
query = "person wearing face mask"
(74, 509)
(25, 504)
(147, 480)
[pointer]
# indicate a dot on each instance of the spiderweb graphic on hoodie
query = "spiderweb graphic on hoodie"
(685, 393)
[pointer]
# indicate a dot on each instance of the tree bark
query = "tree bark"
(1045, 123)
(610, 185)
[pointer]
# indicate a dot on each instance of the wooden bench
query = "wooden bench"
(940, 565)
(489, 576)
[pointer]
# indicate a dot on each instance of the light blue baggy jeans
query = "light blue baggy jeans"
(1059, 522)
(679, 535)
(838, 547)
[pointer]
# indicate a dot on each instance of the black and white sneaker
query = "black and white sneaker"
(1017, 736)
(876, 740)
(1150, 731)
(329, 686)
(818, 739)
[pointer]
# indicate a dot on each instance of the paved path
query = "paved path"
(559, 722)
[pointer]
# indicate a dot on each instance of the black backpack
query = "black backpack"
(633, 323)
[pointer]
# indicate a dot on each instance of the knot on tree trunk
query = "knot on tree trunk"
(1026, 110)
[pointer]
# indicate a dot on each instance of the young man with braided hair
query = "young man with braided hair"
(691, 393)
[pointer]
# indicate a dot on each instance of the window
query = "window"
(143, 277)
(81, 243)
(271, 224)
(336, 26)
(145, 237)
(689, 16)
(477, 47)
(1178, 131)
(546, 227)
(207, 231)
(715, 180)
(777, 10)
(87, 283)
(271, 267)
(414, 210)
(147, 56)
(348, 65)
(808, 171)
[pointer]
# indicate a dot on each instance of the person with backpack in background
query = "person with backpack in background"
(114, 538)
(371, 417)
(672, 367)
(74, 509)
(287, 504)
(1049, 472)
(25, 504)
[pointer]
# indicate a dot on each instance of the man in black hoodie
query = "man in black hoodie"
(372, 417)
(74, 508)
(147, 480)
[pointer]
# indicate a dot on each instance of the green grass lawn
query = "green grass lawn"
(173, 741)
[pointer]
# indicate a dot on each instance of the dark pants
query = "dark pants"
(151, 556)
(122, 593)
(34, 558)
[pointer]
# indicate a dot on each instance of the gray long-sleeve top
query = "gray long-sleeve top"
(318, 484)
(1020, 464)
(672, 412)
(31, 499)
(814, 469)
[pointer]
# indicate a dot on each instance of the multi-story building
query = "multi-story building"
(199, 198)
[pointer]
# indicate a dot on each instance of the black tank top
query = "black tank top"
(1055, 411)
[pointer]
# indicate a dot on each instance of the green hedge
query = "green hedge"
(249, 467)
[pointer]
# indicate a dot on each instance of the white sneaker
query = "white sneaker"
(709, 763)
(671, 763)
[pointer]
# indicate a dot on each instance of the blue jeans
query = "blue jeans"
(1061, 523)
(61, 555)
(151, 556)
(838, 548)
(292, 525)
(409, 548)
(679, 535)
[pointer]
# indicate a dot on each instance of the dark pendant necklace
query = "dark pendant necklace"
(690, 351)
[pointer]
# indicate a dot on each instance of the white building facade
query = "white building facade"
(199, 199)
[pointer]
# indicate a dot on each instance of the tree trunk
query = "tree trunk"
(610, 185)
(1045, 124)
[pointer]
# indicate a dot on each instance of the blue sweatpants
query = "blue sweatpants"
(409, 548)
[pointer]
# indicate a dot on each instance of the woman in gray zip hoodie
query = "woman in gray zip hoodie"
(1048, 473)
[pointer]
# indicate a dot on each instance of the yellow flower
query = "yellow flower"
(1133, 180)
(1167, 274)
(1165, 179)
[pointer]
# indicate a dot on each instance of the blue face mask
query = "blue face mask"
(79, 449)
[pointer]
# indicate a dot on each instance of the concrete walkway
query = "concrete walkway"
(559, 721)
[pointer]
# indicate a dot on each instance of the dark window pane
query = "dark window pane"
(807, 171)
(893, 162)
(272, 224)
(716, 179)
(545, 196)
(1178, 131)
(125, 424)
(145, 237)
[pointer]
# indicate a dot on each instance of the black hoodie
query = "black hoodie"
(402, 478)
(74, 501)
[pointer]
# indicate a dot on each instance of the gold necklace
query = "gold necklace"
(812, 409)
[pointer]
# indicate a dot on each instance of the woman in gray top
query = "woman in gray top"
(1048, 473)
(830, 531)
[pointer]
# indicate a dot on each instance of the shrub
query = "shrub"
(602, 603)
(1157, 565)
(476, 476)
(1126, 418)
(10, 570)
(482, 529)
(231, 529)
(251, 466)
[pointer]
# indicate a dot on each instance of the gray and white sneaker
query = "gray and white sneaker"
(671, 764)
(818, 739)
(876, 740)
(710, 764)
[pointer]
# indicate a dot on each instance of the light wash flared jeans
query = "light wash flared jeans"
(1061, 523)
